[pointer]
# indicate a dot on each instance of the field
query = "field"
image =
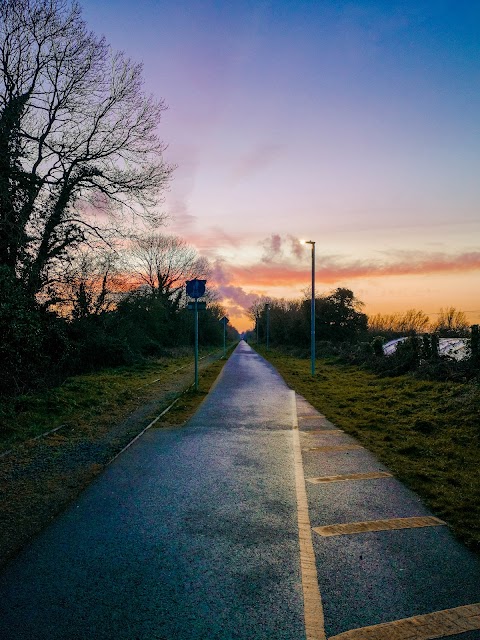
(427, 433)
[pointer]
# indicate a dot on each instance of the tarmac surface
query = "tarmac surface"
(204, 533)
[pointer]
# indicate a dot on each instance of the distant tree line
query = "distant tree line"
(338, 318)
(345, 332)
(86, 279)
(110, 309)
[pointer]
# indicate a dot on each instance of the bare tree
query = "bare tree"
(413, 321)
(257, 307)
(91, 284)
(75, 127)
(163, 263)
(380, 322)
(451, 322)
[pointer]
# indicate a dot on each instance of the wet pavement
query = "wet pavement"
(192, 534)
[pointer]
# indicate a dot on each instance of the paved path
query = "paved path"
(203, 533)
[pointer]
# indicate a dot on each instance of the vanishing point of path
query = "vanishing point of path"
(257, 520)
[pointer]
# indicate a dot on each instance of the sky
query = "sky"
(354, 124)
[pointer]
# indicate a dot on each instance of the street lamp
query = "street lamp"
(267, 312)
(312, 323)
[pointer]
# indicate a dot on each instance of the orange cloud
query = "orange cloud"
(331, 270)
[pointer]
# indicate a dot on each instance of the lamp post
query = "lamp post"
(267, 312)
(312, 323)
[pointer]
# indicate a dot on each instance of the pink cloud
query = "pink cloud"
(272, 248)
(331, 270)
(286, 249)
(296, 247)
(236, 284)
(234, 297)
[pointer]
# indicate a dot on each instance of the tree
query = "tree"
(77, 135)
(338, 316)
(413, 321)
(255, 313)
(451, 322)
(162, 264)
(90, 285)
(384, 323)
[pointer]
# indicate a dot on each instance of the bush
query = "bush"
(21, 348)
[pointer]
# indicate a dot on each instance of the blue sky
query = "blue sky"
(353, 123)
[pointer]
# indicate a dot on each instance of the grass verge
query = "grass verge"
(88, 401)
(427, 433)
(100, 413)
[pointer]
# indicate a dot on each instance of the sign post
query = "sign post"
(195, 290)
(224, 321)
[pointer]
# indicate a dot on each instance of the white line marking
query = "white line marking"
(146, 429)
(312, 600)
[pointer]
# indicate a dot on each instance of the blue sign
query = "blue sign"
(196, 288)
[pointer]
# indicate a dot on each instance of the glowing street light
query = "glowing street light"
(312, 323)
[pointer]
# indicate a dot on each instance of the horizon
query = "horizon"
(354, 124)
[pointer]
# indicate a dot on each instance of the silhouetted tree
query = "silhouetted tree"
(90, 284)
(77, 135)
(338, 316)
(413, 321)
(161, 265)
(451, 322)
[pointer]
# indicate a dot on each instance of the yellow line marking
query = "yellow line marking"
(351, 476)
(341, 447)
(440, 624)
(312, 600)
(378, 525)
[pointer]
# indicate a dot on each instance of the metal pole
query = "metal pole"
(196, 344)
(224, 338)
(267, 308)
(312, 348)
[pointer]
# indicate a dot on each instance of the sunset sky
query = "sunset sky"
(354, 124)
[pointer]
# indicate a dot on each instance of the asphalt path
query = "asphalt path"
(193, 534)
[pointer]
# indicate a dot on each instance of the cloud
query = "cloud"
(297, 249)
(219, 273)
(212, 240)
(180, 215)
(177, 196)
(414, 263)
(233, 296)
(272, 248)
(238, 296)
(331, 269)
(239, 286)
(278, 249)
(257, 159)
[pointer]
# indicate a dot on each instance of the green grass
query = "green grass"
(90, 400)
(105, 411)
(427, 433)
